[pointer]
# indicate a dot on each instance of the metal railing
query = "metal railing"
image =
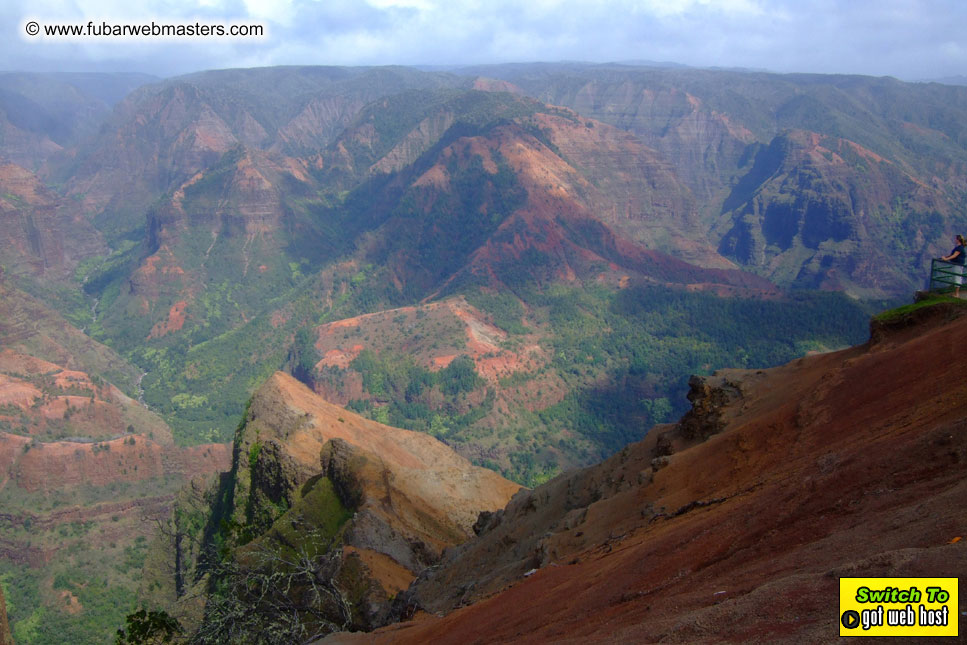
(944, 276)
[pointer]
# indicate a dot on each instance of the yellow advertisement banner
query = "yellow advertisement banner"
(898, 607)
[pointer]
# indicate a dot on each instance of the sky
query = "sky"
(908, 39)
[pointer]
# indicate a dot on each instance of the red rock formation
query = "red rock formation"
(47, 401)
(735, 525)
(193, 461)
(286, 412)
(460, 330)
(410, 495)
(51, 466)
(41, 233)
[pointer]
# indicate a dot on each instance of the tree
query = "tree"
(150, 628)
(277, 597)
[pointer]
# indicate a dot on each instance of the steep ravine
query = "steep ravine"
(735, 524)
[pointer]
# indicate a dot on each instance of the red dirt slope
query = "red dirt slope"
(736, 524)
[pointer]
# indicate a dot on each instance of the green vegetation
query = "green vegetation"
(626, 356)
(148, 628)
(619, 358)
(304, 355)
(228, 300)
(406, 395)
(72, 602)
(898, 313)
(647, 341)
(275, 586)
(505, 309)
(317, 507)
(96, 273)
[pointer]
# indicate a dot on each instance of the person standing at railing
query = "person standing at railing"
(958, 258)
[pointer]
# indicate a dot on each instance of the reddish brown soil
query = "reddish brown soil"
(429, 474)
(609, 215)
(192, 461)
(55, 465)
(54, 402)
(174, 322)
(16, 392)
(844, 464)
(413, 494)
(112, 521)
(41, 231)
(11, 361)
(381, 331)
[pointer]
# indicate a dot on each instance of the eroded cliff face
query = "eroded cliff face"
(411, 496)
(829, 209)
(288, 418)
(804, 183)
(736, 523)
(41, 233)
(374, 504)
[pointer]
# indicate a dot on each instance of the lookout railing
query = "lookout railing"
(944, 276)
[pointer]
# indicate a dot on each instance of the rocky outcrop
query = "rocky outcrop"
(163, 134)
(375, 504)
(709, 396)
(841, 464)
(799, 186)
(292, 426)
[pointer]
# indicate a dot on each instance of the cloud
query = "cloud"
(907, 38)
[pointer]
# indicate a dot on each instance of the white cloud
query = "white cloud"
(665, 8)
(283, 12)
(909, 38)
(422, 5)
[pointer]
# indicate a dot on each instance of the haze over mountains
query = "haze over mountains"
(527, 262)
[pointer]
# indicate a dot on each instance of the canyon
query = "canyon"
(223, 309)
(737, 522)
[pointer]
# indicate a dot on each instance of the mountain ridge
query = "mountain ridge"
(525, 262)
(397, 499)
(776, 484)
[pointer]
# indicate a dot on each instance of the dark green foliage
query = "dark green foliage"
(304, 355)
(253, 454)
(148, 628)
(505, 309)
(114, 267)
(649, 340)
(279, 587)
(220, 373)
(34, 622)
(459, 376)
(403, 390)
